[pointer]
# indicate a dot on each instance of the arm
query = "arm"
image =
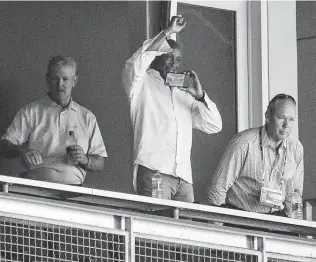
(87, 161)
(14, 142)
(136, 66)
(9, 150)
(93, 160)
(29, 156)
(297, 181)
(227, 171)
(205, 114)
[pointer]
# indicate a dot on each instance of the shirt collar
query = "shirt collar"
(267, 142)
(72, 104)
(154, 73)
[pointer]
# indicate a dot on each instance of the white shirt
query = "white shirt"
(163, 117)
(45, 126)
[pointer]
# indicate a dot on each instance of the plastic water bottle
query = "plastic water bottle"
(297, 206)
(71, 141)
(156, 183)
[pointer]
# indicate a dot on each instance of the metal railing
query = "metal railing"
(26, 240)
(48, 222)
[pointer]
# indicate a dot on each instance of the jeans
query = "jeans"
(174, 188)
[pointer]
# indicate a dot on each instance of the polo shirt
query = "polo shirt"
(45, 126)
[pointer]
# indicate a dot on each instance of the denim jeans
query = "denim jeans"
(174, 188)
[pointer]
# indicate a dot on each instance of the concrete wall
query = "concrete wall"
(306, 53)
(100, 36)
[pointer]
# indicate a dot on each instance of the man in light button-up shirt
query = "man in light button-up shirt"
(163, 117)
(260, 157)
(40, 131)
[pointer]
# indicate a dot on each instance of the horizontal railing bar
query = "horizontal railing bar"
(138, 218)
(251, 223)
(125, 200)
(179, 242)
(52, 223)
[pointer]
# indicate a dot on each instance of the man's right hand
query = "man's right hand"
(30, 157)
(176, 24)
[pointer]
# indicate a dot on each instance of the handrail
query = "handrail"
(143, 203)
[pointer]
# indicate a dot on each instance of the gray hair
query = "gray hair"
(60, 60)
(272, 103)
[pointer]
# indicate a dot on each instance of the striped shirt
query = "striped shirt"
(239, 177)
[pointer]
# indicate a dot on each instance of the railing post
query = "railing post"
(261, 247)
(5, 187)
(175, 213)
(130, 247)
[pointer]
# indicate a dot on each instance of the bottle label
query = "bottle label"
(157, 186)
(296, 206)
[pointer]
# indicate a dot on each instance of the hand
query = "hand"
(77, 155)
(31, 157)
(195, 87)
(176, 24)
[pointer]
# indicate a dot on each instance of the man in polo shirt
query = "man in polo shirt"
(261, 162)
(40, 132)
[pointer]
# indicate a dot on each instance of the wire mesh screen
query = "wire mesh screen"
(24, 240)
(162, 251)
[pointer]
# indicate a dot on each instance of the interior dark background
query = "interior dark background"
(100, 36)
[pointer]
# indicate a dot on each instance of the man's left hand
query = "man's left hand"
(77, 155)
(195, 87)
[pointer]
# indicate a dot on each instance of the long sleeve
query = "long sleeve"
(137, 65)
(206, 116)
(297, 181)
(227, 172)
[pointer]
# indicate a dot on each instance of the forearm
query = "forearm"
(176, 24)
(136, 66)
(94, 163)
(206, 116)
(9, 150)
(155, 45)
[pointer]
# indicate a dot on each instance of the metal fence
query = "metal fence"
(59, 234)
(161, 251)
(24, 240)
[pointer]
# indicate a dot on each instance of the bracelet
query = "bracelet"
(167, 37)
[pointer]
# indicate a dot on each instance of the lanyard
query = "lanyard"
(272, 167)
